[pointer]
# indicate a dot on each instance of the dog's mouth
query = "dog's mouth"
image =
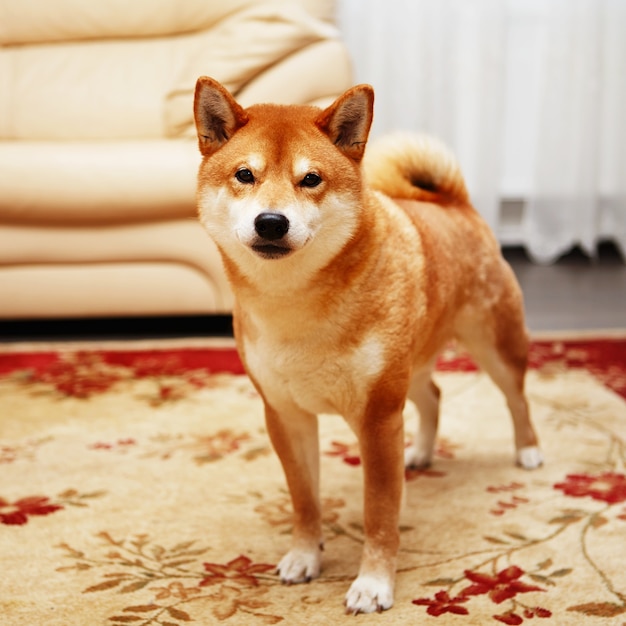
(271, 251)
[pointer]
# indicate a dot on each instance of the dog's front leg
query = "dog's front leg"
(294, 435)
(381, 442)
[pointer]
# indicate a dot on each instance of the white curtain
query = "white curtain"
(530, 94)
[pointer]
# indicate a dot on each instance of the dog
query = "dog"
(351, 270)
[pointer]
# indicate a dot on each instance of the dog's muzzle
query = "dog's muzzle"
(271, 229)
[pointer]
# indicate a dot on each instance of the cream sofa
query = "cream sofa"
(98, 156)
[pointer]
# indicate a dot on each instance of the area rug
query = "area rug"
(137, 486)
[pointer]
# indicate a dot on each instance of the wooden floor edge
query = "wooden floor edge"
(118, 344)
(229, 342)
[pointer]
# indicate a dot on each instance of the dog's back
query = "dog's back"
(466, 279)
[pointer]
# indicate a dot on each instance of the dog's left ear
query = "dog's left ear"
(217, 115)
(347, 121)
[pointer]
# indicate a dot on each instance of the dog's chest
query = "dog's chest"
(313, 374)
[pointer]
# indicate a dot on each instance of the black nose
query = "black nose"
(271, 226)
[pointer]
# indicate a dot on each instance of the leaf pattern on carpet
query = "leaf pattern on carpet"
(176, 577)
(139, 487)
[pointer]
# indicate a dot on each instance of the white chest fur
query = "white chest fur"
(313, 373)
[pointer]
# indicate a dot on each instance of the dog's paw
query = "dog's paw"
(299, 566)
(529, 457)
(417, 457)
(368, 594)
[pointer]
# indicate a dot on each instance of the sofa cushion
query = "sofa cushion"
(46, 183)
(41, 21)
(80, 264)
(44, 21)
(141, 88)
(110, 289)
(239, 49)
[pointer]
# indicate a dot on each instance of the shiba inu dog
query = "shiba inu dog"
(351, 271)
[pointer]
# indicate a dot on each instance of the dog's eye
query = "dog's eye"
(311, 180)
(245, 176)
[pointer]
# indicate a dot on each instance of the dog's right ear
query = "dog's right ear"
(217, 115)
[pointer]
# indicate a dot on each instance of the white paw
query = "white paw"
(417, 457)
(529, 457)
(368, 594)
(300, 566)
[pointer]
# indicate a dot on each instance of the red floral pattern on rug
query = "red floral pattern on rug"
(19, 512)
(81, 374)
(608, 487)
(177, 579)
(505, 585)
(512, 570)
(201, 448)
(604, 358)
(499, 587)
(443, 603)
(240, 570)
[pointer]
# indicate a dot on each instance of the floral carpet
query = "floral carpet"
(137, 486)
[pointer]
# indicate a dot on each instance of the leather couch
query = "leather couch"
(98, 155)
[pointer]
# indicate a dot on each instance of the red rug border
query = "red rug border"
(604, 357)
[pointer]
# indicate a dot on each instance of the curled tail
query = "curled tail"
(414, 167)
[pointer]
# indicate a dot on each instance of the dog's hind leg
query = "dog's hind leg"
(294, 435)
(424, 393)
(503, 355)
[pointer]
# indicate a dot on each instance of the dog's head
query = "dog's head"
(278, 181)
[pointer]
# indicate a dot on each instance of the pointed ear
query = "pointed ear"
(347, 121)
(217, 115)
